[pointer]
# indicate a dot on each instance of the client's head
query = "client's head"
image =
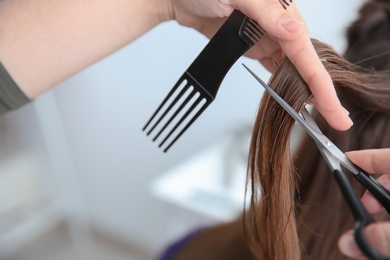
(298, 211)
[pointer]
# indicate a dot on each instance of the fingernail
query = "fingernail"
(348, 246)
(290, 24)
(350, 121)
(346, 112)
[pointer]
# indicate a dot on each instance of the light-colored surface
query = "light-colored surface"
(87, 132)
(212, 182)
(57, 244)
(204, 185)
(25, 211)
(111, 101)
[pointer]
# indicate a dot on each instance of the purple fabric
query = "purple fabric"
(174, 248)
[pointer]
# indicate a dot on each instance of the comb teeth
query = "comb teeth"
(251, 32)
(198, 86)
(285, 3)
(182, 106)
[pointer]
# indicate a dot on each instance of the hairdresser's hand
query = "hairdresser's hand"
(286, 31)
(378, 234)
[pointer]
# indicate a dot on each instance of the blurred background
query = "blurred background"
(80, 180)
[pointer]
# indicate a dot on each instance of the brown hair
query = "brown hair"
(221, 242)
(296, 209)
(369, 38)
(313, 213)
(271, 227)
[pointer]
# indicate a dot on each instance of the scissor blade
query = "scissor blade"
(310, 121)
(309, 129)
(308, 124)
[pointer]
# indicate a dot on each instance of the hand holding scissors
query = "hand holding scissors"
(336, 159)
(372, 161)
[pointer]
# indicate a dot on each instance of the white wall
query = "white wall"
(103, 109)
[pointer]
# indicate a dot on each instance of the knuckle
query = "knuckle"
(294, 57)
(272, 6)
(268, 7)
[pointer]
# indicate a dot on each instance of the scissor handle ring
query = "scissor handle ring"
(360, 214)
(364, 245)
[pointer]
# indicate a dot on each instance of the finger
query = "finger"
(269, 64)
(281, 23)
(266, 47)
(370, 202)
(268, 52)
(372, 161)
(303, 55)
(348, 246)
(377, 234)
(300, 50)
(288, 26)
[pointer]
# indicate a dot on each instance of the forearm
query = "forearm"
(43, 42)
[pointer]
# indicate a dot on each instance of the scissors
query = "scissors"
(335, 158)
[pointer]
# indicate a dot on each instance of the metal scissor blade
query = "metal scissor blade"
(309, 119)
(308, 124)
(313, 132)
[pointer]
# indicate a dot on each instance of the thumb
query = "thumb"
(378, 235)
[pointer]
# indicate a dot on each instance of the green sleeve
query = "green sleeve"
(11, 96)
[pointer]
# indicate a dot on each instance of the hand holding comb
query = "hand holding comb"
(198, 86)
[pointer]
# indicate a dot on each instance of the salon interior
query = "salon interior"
(80, 180)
